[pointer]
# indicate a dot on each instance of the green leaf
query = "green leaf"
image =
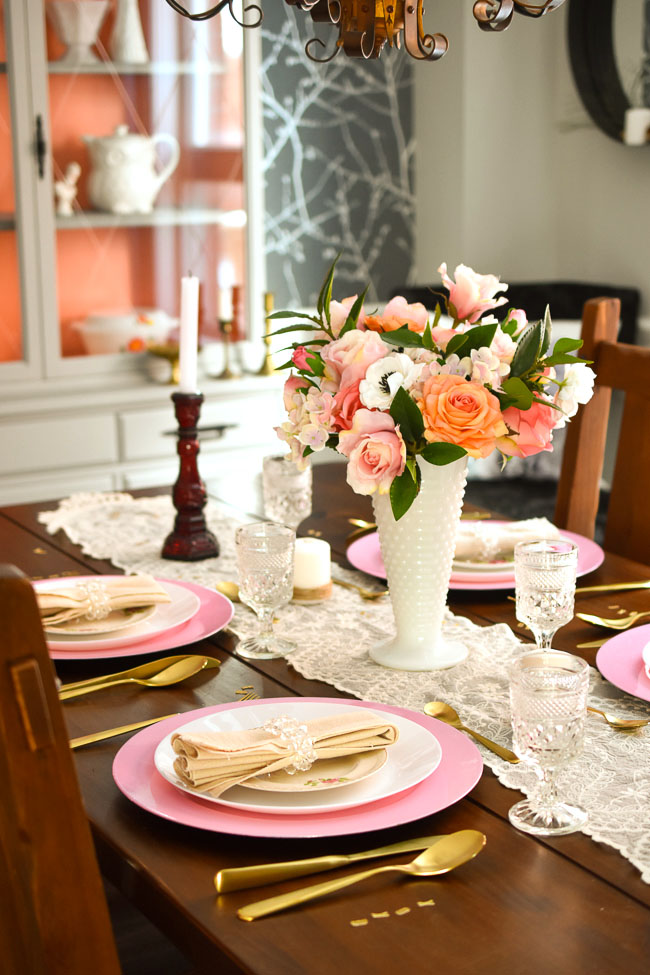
(286, 365)
(412, 467)
(307, 451)
(436, 316)
(546, 336)
(527, 350)
(562, 358)
(567, 345)
(442, 453)
(478, 337)
(325, 294)
(353, 314)
(455, 343)
(293, 314)
(403, 337)
(403, 492)
(298, 328)
(407, 416)
(316, 364)
(517, 392)
(509, 326)
(427, 339)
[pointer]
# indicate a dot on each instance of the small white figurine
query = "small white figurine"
(66, 189)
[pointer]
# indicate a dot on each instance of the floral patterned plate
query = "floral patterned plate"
(329, 773)
(413, 756)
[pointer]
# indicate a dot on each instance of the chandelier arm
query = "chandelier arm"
(494, 15)
(421, 46)
(317, 40)
(251, 6)
(213, 11)
(537, 10)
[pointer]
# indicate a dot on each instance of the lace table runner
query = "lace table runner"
(611, 779)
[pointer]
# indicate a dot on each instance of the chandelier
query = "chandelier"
(366, 26)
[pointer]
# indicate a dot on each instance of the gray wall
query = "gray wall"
(338, 171)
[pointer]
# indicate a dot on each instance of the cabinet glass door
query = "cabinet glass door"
(12, 345)
(146, 120)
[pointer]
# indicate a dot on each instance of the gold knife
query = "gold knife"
(615, 586)
(594, 643)
(114, 732)
(239, 878)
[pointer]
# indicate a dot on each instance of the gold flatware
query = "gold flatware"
(446, 854)
(593, 644)
(114, 732)
(174, 673)
(142, 670)
(364, 593)
(240, 878)
(228, 589)
(443, 712)
(615, 623)
(465, 516)
(622, 724)
(615, 586)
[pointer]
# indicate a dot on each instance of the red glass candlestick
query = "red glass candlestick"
(190, 539)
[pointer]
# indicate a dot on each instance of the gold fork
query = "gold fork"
(364, 593)
(615, 623)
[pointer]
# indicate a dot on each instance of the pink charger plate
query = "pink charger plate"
(620, 661)
(365, 554)
(136, 776)
(214, 613)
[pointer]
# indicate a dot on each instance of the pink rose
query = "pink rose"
(471, 294)
(299, 358)
(375, 450)
(531, 430)
(346, 359)
(346, 404)
(397, 313)
(292, 385)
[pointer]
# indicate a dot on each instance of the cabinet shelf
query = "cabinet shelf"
(150, 68)
(159, 217)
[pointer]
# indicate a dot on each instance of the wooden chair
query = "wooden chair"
(54, 916)
(626, 368)
(54, 913)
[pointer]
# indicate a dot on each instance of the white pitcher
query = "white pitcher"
(124, 177)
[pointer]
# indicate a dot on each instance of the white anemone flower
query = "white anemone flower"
(385, 376)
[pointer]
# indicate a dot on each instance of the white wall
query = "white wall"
(512, 176)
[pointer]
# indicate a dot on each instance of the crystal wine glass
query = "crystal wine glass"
(287, 491)
(548, 701)
(265, 562)
(545, 585)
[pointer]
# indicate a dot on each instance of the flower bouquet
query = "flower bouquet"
(404, 394)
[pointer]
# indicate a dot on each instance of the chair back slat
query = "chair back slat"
(51, 886)
(584, 449)
(627, 531)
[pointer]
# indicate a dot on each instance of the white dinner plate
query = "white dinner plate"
(118, 619)
(412, 758)
(166, 616)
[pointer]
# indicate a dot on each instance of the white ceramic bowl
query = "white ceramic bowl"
(124, 331)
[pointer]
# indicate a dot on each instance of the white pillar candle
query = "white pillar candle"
(637, 125)
(189, 335)
(311, 569)
(225, 305)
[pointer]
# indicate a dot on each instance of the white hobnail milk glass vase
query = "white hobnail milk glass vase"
(418, 551)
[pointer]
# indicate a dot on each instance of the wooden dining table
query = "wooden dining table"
(524, 905)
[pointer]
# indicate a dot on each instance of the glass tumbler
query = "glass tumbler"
(548, 702)
(287, 491)
(545, 585)
(265, 562)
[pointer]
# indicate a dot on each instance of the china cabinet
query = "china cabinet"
(117, 178)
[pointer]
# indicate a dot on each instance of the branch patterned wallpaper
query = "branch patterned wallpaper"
(338, 165)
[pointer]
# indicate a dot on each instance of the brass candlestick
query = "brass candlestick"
(226, 332)
(267, 366)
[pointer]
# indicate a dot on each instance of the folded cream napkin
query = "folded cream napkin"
(96, 598)
(485, 541)
(214, 761)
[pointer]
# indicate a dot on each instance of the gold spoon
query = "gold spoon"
(142, 670)
(228, 589)
(621, 724)
(443, 712)
(615, 623)
(172, 674)
(364, 593)
(449, 852)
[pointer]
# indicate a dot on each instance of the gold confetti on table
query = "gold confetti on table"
(359, 923)
(403, 910)
(429, 903)
(381, 914)
(39, 551)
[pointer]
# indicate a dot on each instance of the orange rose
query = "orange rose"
(398, 313)
(461, 412)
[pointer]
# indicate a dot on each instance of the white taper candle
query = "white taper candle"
(189, 335)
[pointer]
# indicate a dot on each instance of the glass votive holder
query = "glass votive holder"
(312, 576)
(287, 491)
